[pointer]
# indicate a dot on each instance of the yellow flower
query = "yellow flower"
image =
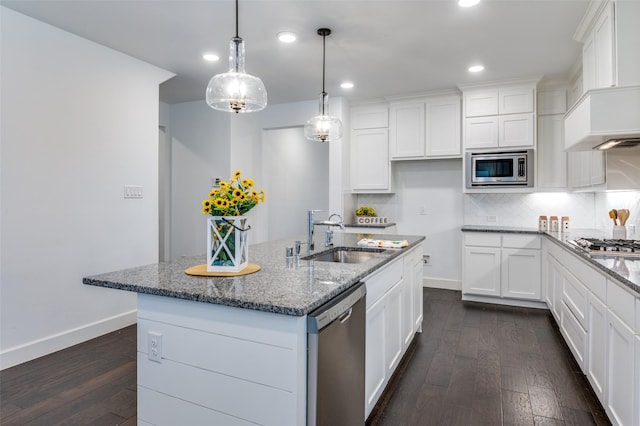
(262, 195)
(206, 203)
(206, 210)
(237, 193)
(254, 193)
(224, 185)
(214, 192)
(248, 183)
(218, 202)
(236, 174)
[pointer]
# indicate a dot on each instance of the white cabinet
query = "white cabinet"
(553, 286)
(370, 167)
(596, 367)
(499, 117)
(390, 322)
(620, 345)
(425, 128)
(552, 159)
(610, 45)
(497, 266)
(573, 317)
(586, 169)
(520, 273)
(418, 308)
(637, 375)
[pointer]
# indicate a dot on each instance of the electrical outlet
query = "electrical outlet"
(492, 218)
(155, 346)
(426, 259)
(423, 211)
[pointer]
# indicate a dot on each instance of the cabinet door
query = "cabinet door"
(515, 130)
(394, 338)
(370, 116)
(406, 127)
(552, 159)
(515, 101)
(574, 334)
(407, 307)
(620, 363)
(442, 127)
(603, 39)
(478, 104)
(637, 380)
(597, 169)
(375, 366)
(521, 274)
(370, 159)
(481, 271)
(481, 132)
(596, 368)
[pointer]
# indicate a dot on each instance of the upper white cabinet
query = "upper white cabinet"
(370, 167)
(552, 159)
(425, 128)
(499, 116)
(610, 33)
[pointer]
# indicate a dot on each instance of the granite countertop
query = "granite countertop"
(624, 270)
(283, 286)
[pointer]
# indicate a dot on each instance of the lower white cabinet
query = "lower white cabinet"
(553, 286)
(596, 367)
(393, 316)
(502, 266)
(637, 375)
(619, 398)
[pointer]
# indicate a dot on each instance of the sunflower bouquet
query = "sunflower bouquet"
(232, 198)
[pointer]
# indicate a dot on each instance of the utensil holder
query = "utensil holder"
(619, 232)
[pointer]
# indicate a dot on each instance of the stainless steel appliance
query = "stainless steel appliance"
(608, 248)
(336, 352)
(512, 168)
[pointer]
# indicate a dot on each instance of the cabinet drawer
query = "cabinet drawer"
(381, 281)
(587, 275)
(574, 334)
(621, 302)
(574, 295)
(521, 241)
(482, 239)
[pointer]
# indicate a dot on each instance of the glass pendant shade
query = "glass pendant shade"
(236, 91)
(323, 127)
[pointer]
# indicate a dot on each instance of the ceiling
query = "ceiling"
(386, 48)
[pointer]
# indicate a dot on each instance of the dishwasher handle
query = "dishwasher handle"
(345, 316)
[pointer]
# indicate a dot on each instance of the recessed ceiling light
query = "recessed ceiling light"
(210, 57)
(347, 85)
(467, 3)
(287, 37)
(476, 68)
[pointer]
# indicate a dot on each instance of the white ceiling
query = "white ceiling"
(389, 47)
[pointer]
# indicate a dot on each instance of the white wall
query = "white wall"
(199, 153)
(606, 201)
(206, 143)
(79, 121)
(434, 186)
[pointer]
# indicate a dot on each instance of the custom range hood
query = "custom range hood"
(604, 119)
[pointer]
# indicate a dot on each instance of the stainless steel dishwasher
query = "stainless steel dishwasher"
(336, 352)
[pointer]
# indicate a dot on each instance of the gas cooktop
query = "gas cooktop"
(599, 247)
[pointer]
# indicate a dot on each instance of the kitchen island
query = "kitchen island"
(233, 350)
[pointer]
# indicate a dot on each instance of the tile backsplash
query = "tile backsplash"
(606, 201)
(523, 210)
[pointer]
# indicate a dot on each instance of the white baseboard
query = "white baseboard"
(443, 283)
(47, 345)
(507, 302)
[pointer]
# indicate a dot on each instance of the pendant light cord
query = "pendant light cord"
(237, 19)
(324, 37)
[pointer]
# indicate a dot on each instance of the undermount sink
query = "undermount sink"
(345, 255)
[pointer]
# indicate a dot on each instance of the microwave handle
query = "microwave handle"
(522, 170)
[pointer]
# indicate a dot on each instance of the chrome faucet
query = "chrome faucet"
(328, 240)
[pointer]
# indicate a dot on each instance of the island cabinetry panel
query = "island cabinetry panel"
(425, 128)
(370, 167)
(201, 371)
(620, 401)
(596, 358)
(506, 268)
(391, 322)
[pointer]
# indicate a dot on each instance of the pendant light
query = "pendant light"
(323, 127)
(236, 91)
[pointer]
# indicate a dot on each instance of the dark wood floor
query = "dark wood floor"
(474, 364)
(93, 383)
(480, 364)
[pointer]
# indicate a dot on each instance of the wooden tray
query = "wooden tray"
(201, 271)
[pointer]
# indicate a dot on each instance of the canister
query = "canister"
(543, 224)
(565, 224)
(553, 224)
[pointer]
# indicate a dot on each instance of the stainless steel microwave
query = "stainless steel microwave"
(512, 168)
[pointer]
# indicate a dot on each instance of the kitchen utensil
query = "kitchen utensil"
(613, 216)
(623, 215)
